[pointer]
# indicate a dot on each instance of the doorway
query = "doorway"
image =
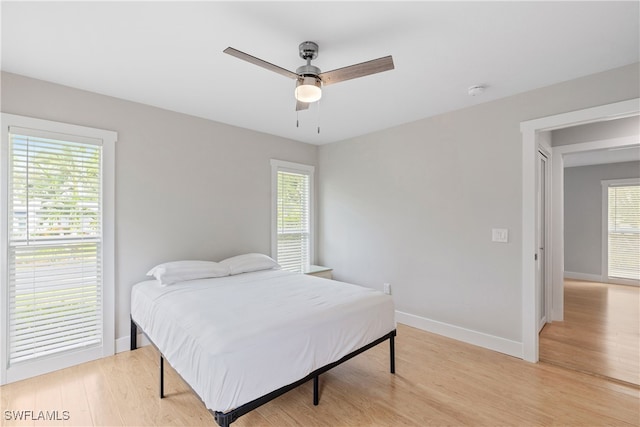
(600, 331)
(533, 134)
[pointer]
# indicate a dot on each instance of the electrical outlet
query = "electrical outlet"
(387, 288)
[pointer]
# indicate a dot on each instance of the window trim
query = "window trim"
(605, 229)
(285, 166)
(108, 139)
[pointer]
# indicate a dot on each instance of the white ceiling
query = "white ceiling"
(169, 54)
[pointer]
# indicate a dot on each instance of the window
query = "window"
(292, 230)
(57, 210)
(623, 229)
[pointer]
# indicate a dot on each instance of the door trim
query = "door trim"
(546, 254)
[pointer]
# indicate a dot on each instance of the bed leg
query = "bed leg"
(161, 377)
(315, 390)
(392, 353)
(134, 335)
(224, 422)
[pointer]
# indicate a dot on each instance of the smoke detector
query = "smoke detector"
(476, 90)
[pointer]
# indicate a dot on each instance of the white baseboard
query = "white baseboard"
(597, 278)
(502, 345)
(583, 276)
(124, 343)
(627, 282)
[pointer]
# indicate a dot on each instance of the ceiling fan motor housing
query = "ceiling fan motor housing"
(308, 70)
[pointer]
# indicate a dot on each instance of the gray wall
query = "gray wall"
(414, 205)
(583, 213)
(186, 188)
(599, 131)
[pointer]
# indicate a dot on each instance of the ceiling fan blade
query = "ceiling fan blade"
(259, 62)
(358, 70)
(301, 105)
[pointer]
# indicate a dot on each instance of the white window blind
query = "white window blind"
(624, 231)
(54, 244)
(293, 224)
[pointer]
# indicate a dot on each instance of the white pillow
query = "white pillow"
(249, 262)
(178, 271)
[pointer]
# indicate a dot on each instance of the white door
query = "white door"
(541, 240)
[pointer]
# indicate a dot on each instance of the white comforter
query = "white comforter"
(236, 338)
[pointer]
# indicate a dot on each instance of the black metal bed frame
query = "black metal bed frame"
(225, 419)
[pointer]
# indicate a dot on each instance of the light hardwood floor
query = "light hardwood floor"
(601, 331)
(439, 381)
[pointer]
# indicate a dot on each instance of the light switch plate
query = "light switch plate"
(500, 235)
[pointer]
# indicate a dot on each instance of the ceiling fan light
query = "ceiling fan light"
(308, 89)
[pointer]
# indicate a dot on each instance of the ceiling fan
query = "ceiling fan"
(309, 79)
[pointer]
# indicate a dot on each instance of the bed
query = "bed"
(211, 330)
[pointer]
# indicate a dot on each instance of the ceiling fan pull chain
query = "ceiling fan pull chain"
(318, 117)
(297, 120)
